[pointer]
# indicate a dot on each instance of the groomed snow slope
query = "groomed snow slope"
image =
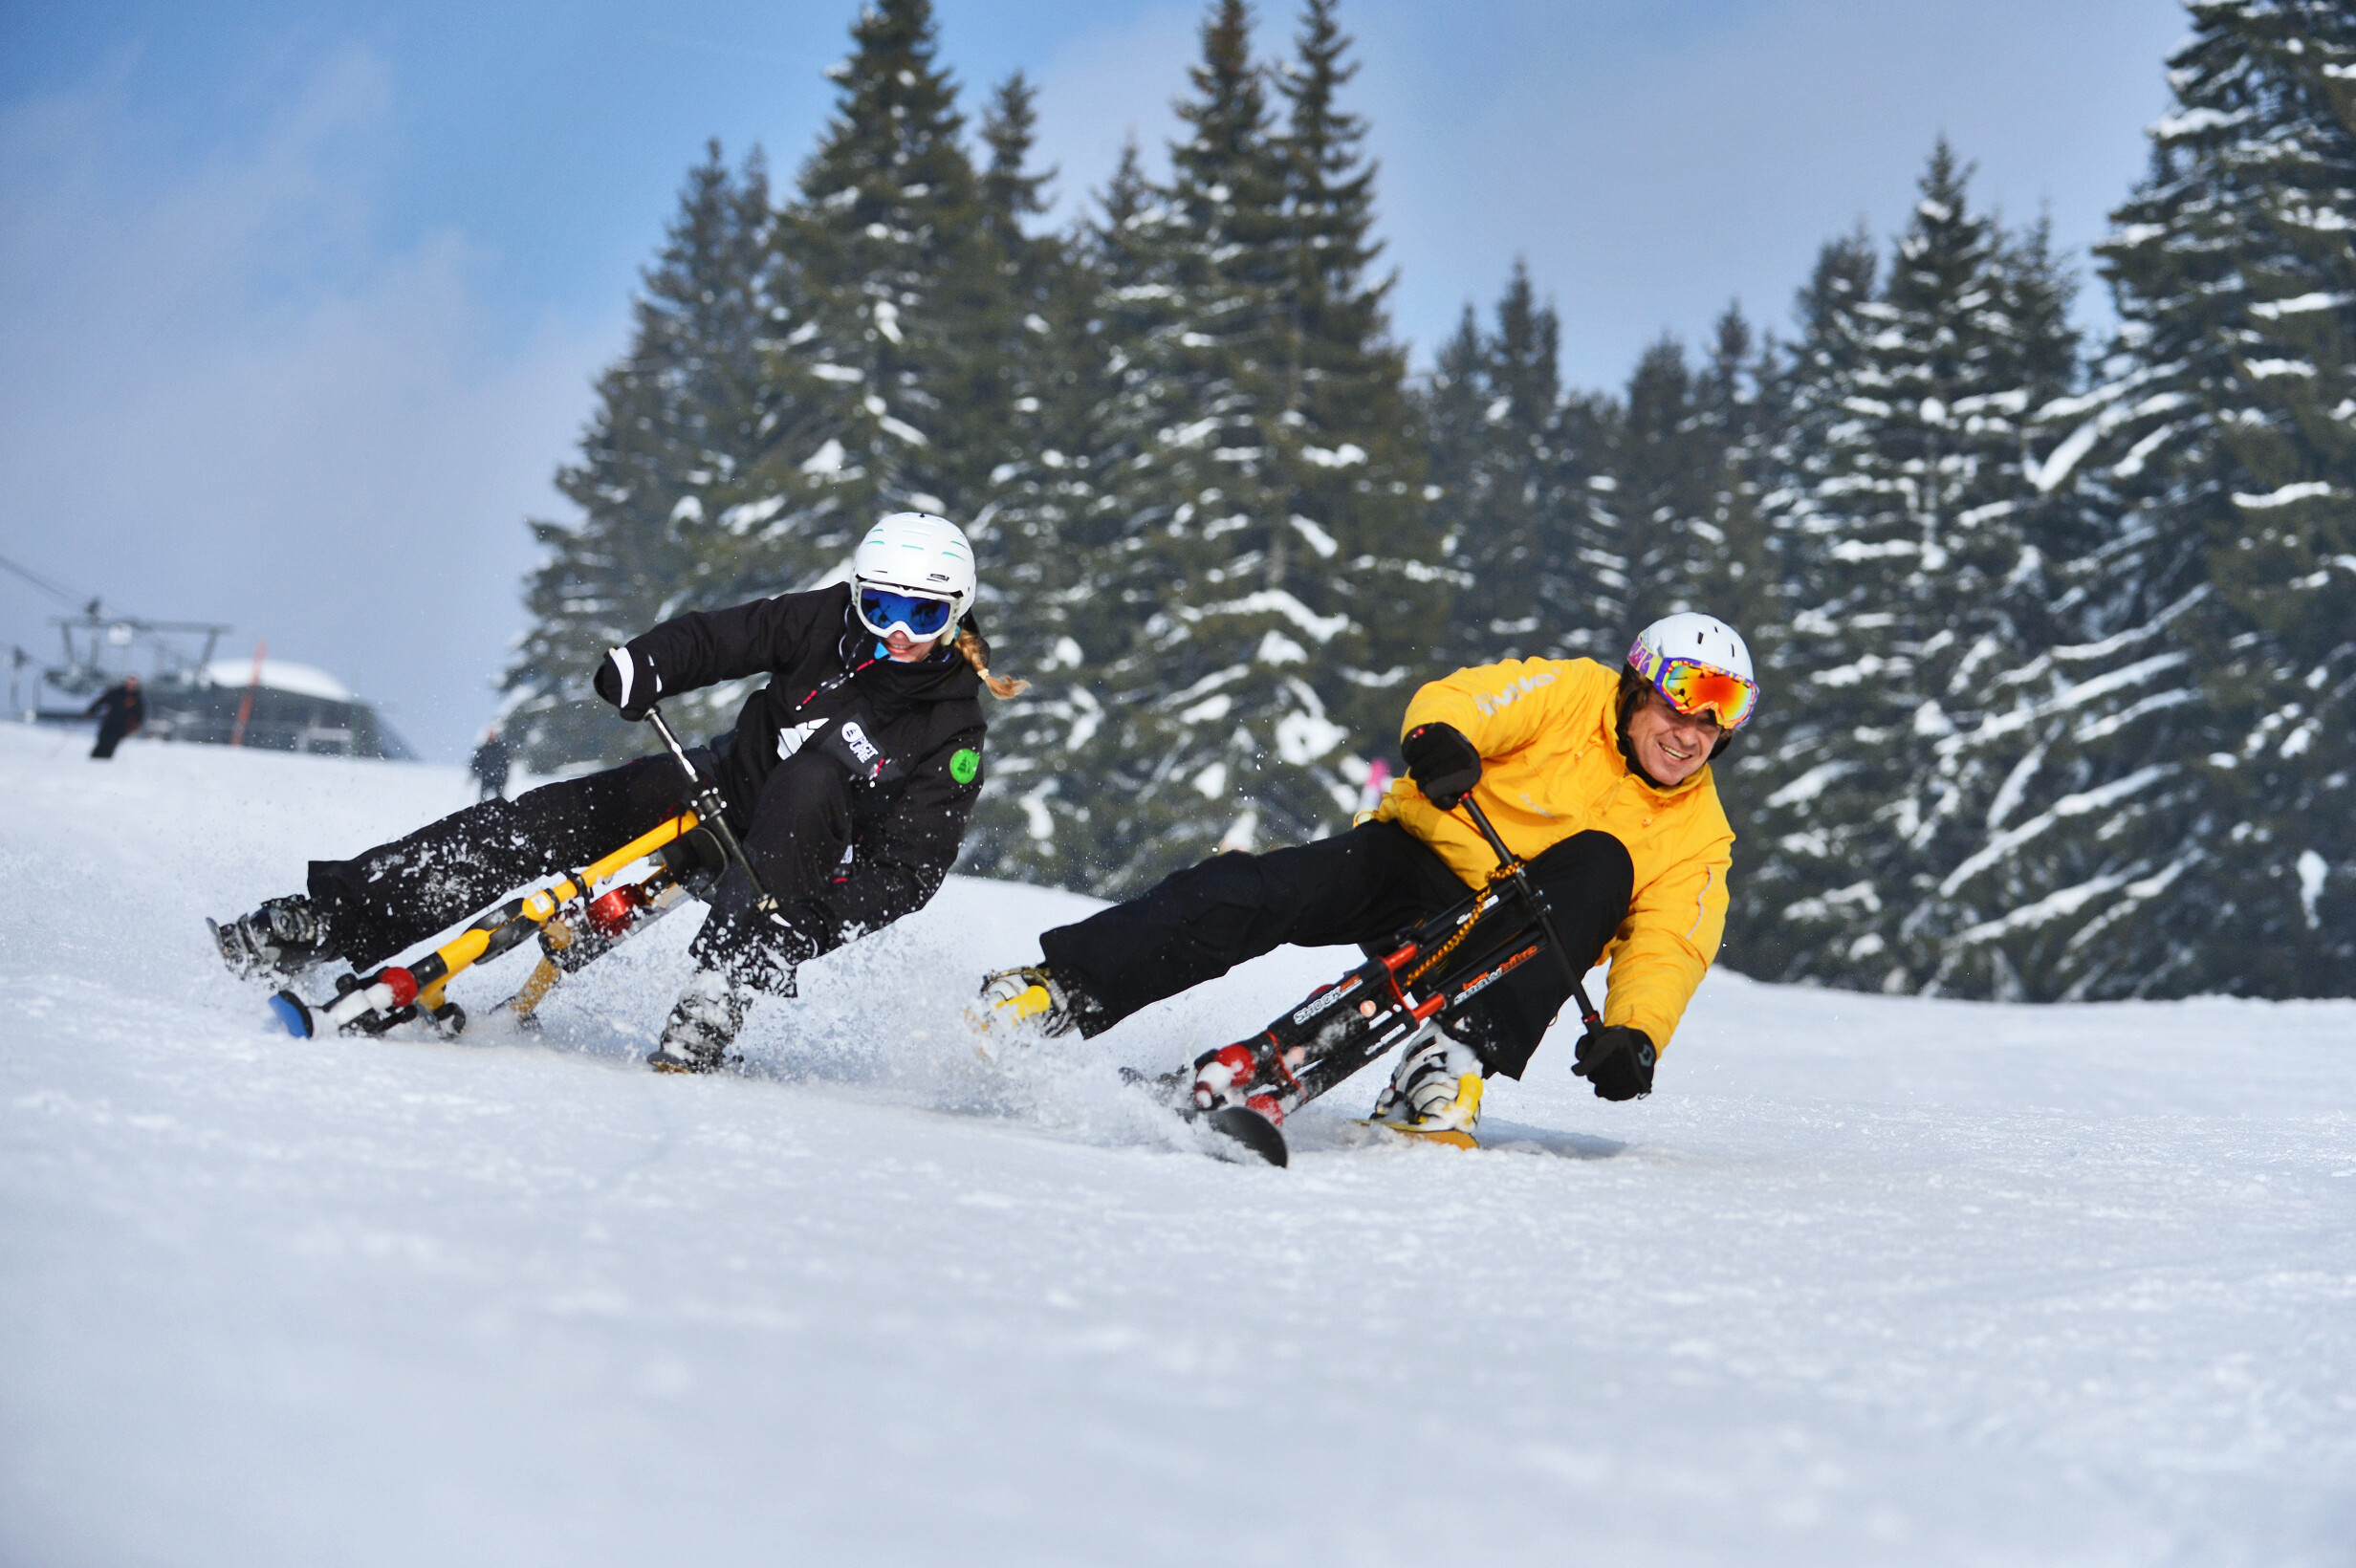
(1869, 1281)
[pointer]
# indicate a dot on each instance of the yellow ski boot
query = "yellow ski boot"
(1023, 1002)
(1434, 1094)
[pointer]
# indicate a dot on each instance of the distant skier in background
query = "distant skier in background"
(490, 764)
(849, 778)
(120, 711)
(1598, 779)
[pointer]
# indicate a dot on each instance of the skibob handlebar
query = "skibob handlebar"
(1514, 867)
(711, 809)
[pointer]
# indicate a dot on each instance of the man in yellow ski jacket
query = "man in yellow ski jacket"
(1546, 730)
(1598, 779)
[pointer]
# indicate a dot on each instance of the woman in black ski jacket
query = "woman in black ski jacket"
(848, 777)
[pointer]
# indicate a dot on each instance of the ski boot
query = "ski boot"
(702, 1025)
(284, 936)
(1434, 1093)
(1027, 1000)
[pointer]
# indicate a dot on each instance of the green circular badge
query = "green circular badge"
(965, 764)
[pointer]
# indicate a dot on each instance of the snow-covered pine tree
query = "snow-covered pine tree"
(2068, 891)
(1054, 525)
(2284, 417)
(2091, 805)
(1013, 194)
(2226, 430)
(2091, 815)
(1691, 531)
(1519, 469)
(1193, 505)
(1665, 466)
(1220, 708)
(1034, 528)
(1454, 403)
(1907, 519)
(1344, 453)
(685, 424)
(1730, 401)
(1775, 778)
(878, 302)
(888, 244)
(1029, 330)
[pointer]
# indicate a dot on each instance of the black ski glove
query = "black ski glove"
(629, 680)
(1444, 765)
(1617, 1060)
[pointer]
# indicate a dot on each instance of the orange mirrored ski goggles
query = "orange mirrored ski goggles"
(1692, 687)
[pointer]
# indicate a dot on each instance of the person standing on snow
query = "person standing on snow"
(1600, 780)
(490, 764)
(120, 711)
(849, 779)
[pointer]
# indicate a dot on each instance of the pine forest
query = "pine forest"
(2057, 637)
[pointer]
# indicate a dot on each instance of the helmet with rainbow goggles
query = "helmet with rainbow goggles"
(1699, 665)
(913, 572)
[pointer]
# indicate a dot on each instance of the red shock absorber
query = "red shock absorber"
(613, 911)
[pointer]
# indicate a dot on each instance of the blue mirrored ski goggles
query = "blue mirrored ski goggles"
(883, 610)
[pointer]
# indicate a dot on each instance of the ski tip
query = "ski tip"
(1254, 1132)
(293, 1012)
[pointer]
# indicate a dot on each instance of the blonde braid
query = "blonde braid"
(969, 643)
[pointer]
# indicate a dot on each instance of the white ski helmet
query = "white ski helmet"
(1687, 657)
(917, 554)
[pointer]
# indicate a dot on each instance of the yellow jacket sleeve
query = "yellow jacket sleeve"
(1666, 945)
(1500, 708)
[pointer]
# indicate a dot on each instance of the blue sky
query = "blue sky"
(300, 305)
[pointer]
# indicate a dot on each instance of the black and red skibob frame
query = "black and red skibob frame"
(1245, 1090)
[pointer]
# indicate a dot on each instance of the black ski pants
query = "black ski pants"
(797, 833)
(1363, 886)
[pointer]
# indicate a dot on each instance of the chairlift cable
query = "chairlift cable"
(51, 587)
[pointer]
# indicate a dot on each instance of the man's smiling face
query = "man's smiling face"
(1668, 745)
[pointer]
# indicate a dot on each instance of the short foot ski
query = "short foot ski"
(1451, 1137)
(293, 1012)
(1254, 1134)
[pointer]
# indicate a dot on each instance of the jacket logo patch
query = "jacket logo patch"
(967, 763)
(1512, 693)
(789, 739)
(862, 747)
(849, 742)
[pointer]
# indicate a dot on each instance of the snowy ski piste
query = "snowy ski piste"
(1868, 1280)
